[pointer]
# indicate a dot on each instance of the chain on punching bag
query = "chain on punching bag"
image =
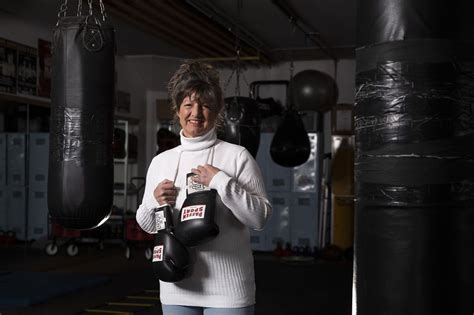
(80, 183)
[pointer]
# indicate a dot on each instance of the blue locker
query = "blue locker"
(37, 214)
(38, 160)
(16, 150)
(257, 240)
(278, 226)
(305, 176)
(3, 162)
(304, 211)
(16, 202)
(3, 209)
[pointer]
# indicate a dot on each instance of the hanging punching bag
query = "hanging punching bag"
(80, 183)
(242, 123)
(290, 145)
(414, 172)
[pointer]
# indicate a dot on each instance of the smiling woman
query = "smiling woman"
(196, 98)
(203, 194)
(196, 118)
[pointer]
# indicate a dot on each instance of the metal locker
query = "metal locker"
(3, 162)
(16, 159)
(38, 160)
(3, 209)
(304, 220)
(278, 226)
(16, 201)
(37, 214)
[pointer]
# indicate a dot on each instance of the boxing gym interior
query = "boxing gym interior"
(358, 113)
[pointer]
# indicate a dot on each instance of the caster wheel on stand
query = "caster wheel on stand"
(72, 250)
(51, 249)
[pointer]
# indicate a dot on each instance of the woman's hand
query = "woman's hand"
(204, 174)
(165, 193)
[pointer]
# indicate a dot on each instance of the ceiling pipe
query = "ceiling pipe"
(244, 36)
(298, 22)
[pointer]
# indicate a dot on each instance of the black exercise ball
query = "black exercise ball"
(313, 90)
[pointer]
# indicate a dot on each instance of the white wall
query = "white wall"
(145, 77)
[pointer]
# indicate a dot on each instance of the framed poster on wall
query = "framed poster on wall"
(8, 63)
(27, 70)
(44, 68)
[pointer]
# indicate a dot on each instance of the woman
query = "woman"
(222, 279)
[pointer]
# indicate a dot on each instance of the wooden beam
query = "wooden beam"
(180, 27)
(133, 16)
(193, 25)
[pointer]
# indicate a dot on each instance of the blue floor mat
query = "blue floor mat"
(22, 289)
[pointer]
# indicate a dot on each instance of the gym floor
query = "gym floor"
(318, 287)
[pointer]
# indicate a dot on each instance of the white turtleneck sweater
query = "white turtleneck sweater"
(223, 269)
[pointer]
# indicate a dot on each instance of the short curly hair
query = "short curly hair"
(200, 79)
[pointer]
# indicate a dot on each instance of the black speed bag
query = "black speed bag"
(290, 145)
(80, 178)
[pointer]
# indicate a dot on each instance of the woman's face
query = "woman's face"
(195, 119)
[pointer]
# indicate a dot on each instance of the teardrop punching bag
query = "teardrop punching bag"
(290, 145)
(414, 172)
(80, 183)
(242, 123)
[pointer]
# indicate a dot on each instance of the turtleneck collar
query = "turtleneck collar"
(205, 141)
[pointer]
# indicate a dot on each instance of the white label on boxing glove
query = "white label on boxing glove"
(158, 253)
(193, 212)
(160, 220)
(192, 186)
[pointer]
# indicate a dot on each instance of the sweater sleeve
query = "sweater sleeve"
(244, 195)
(145, 215)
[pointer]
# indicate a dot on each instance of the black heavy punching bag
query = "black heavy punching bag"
(414, 171)
(80, 183)
(242, 123)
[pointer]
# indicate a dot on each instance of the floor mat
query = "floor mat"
(22, 289)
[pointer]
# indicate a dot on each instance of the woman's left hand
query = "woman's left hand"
(204, 174)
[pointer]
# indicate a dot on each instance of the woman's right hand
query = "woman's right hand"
(165, 193)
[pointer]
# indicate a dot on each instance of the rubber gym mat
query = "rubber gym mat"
(22, 289)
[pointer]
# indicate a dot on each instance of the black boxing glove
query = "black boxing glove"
(196, 218)
(171, 260)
